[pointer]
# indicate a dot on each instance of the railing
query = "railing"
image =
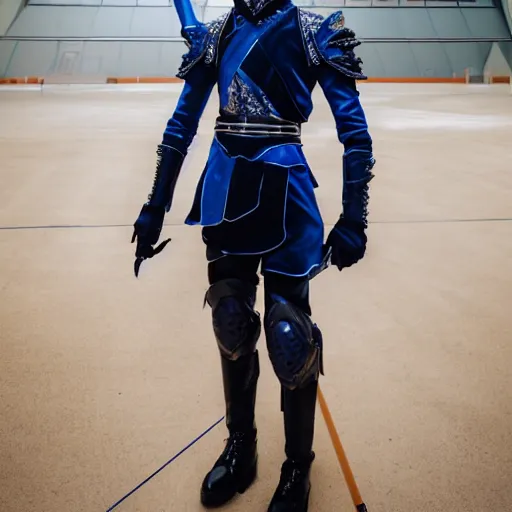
(178, 39)
(81, 59)
(303, 3)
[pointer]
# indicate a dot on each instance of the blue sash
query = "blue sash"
(236, 52)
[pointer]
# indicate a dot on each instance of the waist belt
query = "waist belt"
(271, 128)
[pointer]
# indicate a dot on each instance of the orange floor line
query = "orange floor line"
(173, 80)
(340, 453)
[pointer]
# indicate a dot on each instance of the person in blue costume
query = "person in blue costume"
(255, 201)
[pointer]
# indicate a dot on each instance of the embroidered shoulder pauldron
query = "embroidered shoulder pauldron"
(328, 40)
(203, 43)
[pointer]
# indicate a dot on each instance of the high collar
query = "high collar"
(257, 10)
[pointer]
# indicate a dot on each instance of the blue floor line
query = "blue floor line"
(165, 465)
(65, 226)
(100, 226)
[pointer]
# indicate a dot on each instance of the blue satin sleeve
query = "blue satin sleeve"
(352, 128)
(343, 98)
(182, 126)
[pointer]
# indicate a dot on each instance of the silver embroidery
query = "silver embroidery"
(214, 31)
(243, 101)
(310, 23)
(203, 42)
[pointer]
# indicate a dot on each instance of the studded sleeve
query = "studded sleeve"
(338, 69)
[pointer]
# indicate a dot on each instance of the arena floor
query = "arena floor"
(104, 378)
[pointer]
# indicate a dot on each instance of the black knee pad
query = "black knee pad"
(294, 344)
(236, 325)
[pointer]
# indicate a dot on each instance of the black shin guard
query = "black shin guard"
(299, 406)
(240, 380)
(237, 328)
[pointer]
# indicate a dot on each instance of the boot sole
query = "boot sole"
(210, 501)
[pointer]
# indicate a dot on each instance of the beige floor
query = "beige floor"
(103, 378)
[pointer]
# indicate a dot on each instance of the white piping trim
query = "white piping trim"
(276, 246)
(250, 211)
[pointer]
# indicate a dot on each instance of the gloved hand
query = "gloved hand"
(151, 218)
(147, 229)
(348, 243)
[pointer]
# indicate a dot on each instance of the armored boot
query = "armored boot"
(236, 468)
(292, 493)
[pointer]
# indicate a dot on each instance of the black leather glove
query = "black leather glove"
(347, 238)
(348, 243)
(147, 229)
(148, 226)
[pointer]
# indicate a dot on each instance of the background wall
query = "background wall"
(508, 10)
(9, 9)
(99, 38)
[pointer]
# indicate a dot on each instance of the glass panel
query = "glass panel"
(220, 3)
(412, 3)
(441, 3)
(329, 3)
(153, 3)
(385, 3)
(358, 3)
(64, 2)
(120, 3)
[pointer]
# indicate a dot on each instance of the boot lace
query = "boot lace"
(236, 444)
(291, 477)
